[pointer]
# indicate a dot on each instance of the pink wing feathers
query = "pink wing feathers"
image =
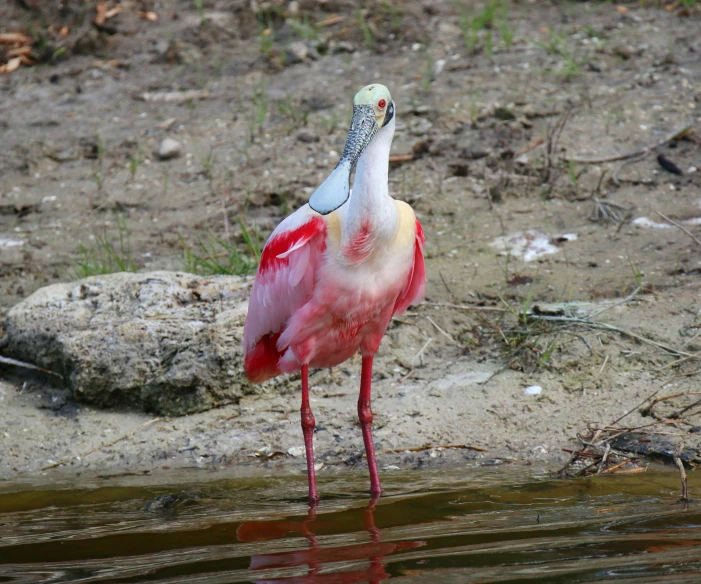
(415, 287)
(284, 283)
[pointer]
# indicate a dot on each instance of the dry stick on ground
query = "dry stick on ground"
(595, 442)
(625, 300)
(579, 453)
(696, 355)
(682, 471)
(440, 446)
(629, 412)
(657, 400)
(466, 307)
(532, 146)
(106, 445)
(606, 326)
(440, 330)
(680, 413)
(417, 356)
(551, 143)
(640, 158)
(688, 126)
(16, 363)
(684, 229)
(608, 211)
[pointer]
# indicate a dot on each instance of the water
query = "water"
(463, 525)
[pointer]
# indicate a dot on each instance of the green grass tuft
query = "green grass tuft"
(215, 256)
(104, 258)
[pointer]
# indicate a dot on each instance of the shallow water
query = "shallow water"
(463, 525)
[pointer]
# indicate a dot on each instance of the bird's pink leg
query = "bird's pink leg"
(308, 424)
(365, 415)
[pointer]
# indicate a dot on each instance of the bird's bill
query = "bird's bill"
(335, 190)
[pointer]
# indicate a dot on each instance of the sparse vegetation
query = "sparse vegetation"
(200, 10)
(477, 27)
(303, 27)
(260, 109)
(135, 161)
(368, 36)
(99, 163)
(266, 38)
(295, 113)
(103, 257)
(216, 256)
(528, 342)
(556, 45)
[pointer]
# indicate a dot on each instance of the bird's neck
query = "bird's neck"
(371, 217)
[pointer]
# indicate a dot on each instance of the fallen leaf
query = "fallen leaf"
(101, 10)
(622, 9)
(11, 38)
(113, 12)
(19, 52)
(149, 15)
(64, 31)
(12, 65)
(331, 19)
(630, 470)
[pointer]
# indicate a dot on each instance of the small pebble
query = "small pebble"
(168, 149)
(533, 390)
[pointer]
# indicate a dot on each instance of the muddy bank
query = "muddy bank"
(546, 121)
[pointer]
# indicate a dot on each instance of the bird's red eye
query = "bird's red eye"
(381, 104)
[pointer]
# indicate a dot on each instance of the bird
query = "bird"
(333, 273)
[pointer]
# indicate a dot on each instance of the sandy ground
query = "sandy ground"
(487, 120)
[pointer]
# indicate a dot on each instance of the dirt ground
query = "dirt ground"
(543, 118)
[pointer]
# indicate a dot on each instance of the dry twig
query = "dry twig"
(606, 326)
(678, 133)
(682, 472)
(684, 229)
(22, 364)
(607, 211)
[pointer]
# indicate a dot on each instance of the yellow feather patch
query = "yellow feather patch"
(333, 227)
(406, 227)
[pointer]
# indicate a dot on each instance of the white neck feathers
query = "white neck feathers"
(370, 209)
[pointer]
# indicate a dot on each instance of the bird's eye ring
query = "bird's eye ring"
(381, 104)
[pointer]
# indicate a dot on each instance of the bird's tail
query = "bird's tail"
(261, 363)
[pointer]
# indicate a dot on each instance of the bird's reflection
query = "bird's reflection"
(316, 556)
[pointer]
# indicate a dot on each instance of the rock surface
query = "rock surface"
(165, 342)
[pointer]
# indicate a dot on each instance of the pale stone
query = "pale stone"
(168, 149)
(165, 342)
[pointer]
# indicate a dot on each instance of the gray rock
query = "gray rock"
(297, 52)
(343, 47)
(168, 149)
(165, 342)
(307, 137)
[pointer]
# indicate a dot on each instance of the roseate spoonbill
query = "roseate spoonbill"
(333, 273)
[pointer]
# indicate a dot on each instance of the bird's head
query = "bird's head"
(373, 109)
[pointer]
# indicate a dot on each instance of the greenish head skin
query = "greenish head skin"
(373, 109)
